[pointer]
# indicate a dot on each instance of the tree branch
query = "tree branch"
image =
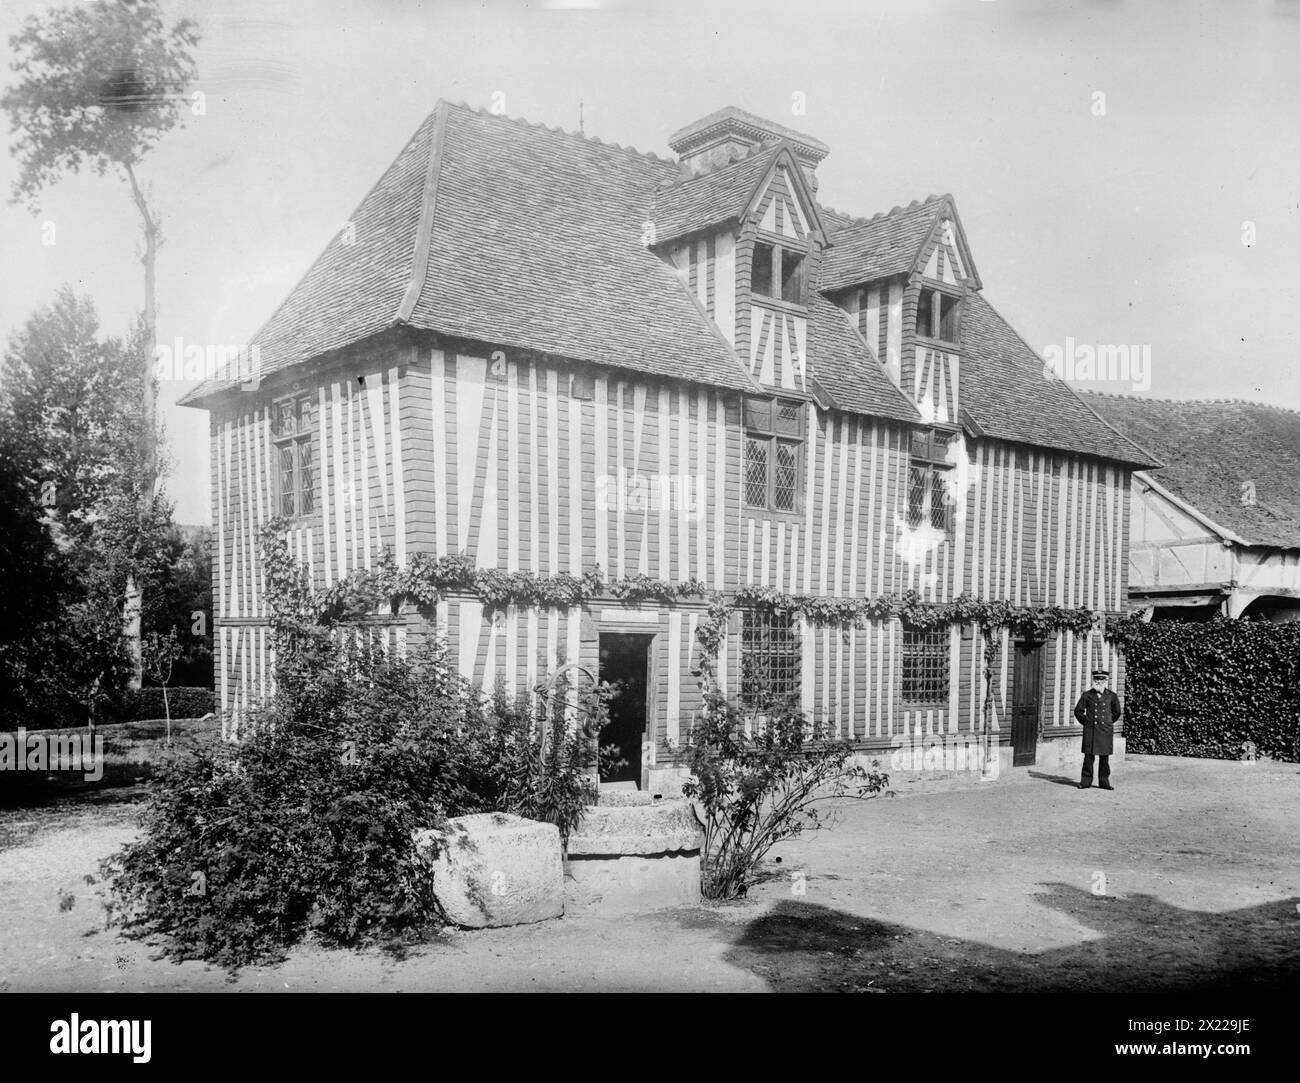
(150, 226)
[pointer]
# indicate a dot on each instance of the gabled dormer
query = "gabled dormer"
(743, 229)
(905, 277)
(778, 247)
(937, 287)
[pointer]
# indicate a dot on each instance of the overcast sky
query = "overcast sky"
(1102, 220)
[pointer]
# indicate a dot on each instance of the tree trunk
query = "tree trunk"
(134, 600)
(131, 631)
(992, 649)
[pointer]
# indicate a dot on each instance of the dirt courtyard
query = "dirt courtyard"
(1186, 877)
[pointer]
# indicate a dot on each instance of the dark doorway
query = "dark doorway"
(1026, 703)
(625, 664)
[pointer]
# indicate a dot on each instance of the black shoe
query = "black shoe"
(1085, 785)
(1107, 786)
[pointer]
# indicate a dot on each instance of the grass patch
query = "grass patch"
(134, 753)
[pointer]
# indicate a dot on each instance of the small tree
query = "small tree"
(160, 654)
(759, 775)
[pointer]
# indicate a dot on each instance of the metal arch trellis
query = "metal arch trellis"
(547, 691)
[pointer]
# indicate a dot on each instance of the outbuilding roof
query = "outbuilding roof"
(1235, 462)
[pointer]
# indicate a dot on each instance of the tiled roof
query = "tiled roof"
(534, 241)
(1216, 454)
(514, 234)
(1010, 393)
(863, 250)
(355, 286)
(710, 198)
(845, 366)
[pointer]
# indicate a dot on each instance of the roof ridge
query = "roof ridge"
(750, 153)
(428, 205)
(1198, 401)
(857, 220)
(583, 136)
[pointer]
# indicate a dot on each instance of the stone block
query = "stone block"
(630, 883)
(635, 853)
(495, 869)
(642, 828)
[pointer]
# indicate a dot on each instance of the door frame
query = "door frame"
(1040, 646)
(649, 632)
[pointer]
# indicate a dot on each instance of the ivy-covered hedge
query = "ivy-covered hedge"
(1205, 689)
(184, 703)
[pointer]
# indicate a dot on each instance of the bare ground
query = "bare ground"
(1187, 876)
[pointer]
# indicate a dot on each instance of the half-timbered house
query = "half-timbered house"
(554, 354)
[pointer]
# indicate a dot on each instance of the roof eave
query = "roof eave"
(1189, 509)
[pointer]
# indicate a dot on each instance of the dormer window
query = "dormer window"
(792, 276)
(936, 315)
(777, 272)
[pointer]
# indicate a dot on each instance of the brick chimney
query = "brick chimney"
(722, 137)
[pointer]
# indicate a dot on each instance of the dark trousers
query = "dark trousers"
(1104, 774)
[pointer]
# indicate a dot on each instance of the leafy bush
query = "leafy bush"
(758, 776)
(306, 826)
(502, 764)
(1206, 689)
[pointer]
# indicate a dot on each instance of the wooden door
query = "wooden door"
(1026, 702)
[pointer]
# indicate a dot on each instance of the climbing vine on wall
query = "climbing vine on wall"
(425, 580)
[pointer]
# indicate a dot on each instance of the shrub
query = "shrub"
(184, 703)
(306, 826)
(758, 776)
(504, 765)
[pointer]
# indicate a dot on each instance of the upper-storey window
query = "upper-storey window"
(929, 476)
(777, 272)
(936, 315)
(773, 453)
(294, 431)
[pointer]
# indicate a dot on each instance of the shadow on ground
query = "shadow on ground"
(1060, 780)
(1143, 946)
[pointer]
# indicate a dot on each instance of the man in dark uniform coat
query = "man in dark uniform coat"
(1097, 711)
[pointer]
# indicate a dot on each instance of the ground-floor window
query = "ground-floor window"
(925, 665)
(771, 657)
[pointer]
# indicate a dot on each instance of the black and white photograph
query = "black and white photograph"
(616, 497)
